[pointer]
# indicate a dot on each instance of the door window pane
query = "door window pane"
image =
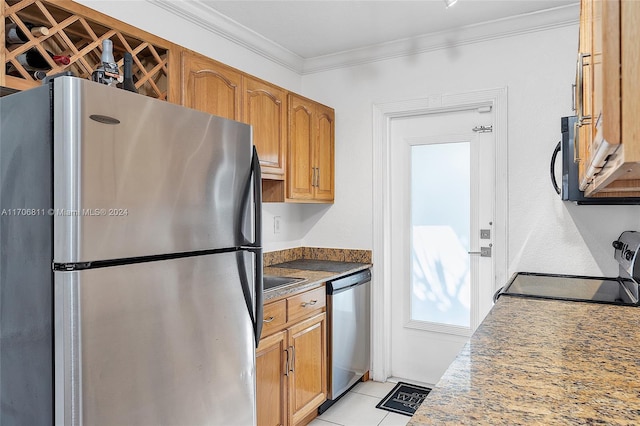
(440, 222)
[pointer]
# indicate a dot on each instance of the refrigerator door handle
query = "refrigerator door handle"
(259, 298)
(257, 200)
(255, 308)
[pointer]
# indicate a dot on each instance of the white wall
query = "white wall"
(545, 234)
(296, 221)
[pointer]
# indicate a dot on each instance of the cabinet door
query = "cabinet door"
(583, 86)
(300, 171)
(605, 76)
(324, 153)
(265, 109)
(271, 380)
(600, 38)
(307, 378)
(609, 86)
(210, 86)
(595, 80)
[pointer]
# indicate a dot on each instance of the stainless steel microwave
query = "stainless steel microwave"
(568, 190)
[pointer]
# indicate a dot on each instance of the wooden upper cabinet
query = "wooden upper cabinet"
(265, 108)
(210, 86)
(324, 153)
(608, 110)
(77, 32)
(300, 172)
(310, 151)
(583, 86)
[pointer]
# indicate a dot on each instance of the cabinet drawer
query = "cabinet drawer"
(275, 317)
(305, 303)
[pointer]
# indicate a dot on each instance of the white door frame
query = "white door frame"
(382, 115)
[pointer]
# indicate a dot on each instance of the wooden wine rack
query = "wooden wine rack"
(77, 32)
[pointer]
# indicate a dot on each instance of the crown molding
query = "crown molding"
(506, 27)
(210, 20)
(207, 18)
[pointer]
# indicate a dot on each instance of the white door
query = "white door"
(442, 197)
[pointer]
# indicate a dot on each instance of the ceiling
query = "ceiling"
(312, 28)
(307, 35)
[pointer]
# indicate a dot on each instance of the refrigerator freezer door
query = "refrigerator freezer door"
(135, 176)
(157, 343)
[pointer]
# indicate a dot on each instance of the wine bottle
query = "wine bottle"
(39, 75)
(107, 72)
(32, 60)
(14, 35)
(127, 83)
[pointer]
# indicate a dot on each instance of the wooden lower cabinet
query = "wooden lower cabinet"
(271, 380)
(291, 371)
(307, 374)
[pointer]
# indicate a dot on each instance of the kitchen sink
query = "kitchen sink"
(272, 281)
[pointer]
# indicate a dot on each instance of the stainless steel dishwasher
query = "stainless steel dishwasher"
(349, 328)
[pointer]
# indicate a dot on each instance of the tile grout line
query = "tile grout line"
(385, 416)
(327, 421)
(372, 398)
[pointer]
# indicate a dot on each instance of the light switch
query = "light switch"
(276, 224)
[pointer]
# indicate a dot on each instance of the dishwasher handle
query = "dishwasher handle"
(345, 283)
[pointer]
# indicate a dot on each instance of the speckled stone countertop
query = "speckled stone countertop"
(543, 362)
(312, 279)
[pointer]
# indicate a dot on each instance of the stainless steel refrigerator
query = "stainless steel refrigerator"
(130, 260)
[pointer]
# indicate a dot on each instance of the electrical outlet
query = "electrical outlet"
(276, 224)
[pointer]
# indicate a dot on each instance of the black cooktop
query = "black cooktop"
(571, 287)
(319, 265)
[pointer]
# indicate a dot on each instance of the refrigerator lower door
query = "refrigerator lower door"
(135, 176)
(158, 343)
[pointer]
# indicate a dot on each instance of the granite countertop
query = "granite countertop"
(313, 279)
(543, 362)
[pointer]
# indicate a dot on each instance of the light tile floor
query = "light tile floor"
(358, 408)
